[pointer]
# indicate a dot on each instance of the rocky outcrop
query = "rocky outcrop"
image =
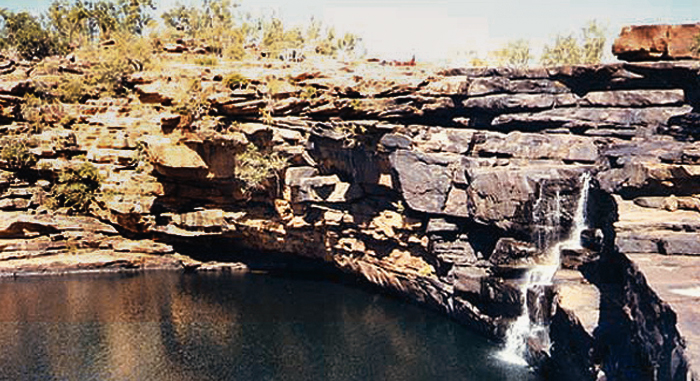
(657, 42)
(440, 186)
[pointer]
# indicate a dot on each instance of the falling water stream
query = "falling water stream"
(546, 213)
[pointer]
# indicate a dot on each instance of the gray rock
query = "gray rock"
(634, 98)
(452, 250)
(507, 103)
(395, 141)
(423, 179)
(294, 175)
(511, 252)
(325, 189)
(438, 225)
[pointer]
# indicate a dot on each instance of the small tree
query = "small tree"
(569, 50)
(593, 43)
(564, 51)
(515, 53)
(253, 167)
(25, 33)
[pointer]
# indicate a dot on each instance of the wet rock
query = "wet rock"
(468, 279)
(511, 252)
(225, 267)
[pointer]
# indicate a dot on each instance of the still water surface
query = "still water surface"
(171, 326)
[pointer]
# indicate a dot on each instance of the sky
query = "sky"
(446, 30)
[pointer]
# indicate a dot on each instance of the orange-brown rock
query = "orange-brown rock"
(654, 42)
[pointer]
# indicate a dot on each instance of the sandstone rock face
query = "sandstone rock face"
(655, 42)
(442, 186)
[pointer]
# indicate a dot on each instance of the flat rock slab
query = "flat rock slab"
(676, 280)
(578, 295)
(93, 260)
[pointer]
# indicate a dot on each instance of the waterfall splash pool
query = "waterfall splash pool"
(172, 326)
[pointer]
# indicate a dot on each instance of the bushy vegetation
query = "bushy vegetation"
(191, 103)
(15, 154)
(254, 168)
(206, 61)
(584, 49)
(226, 31)
(235, 81)
(28, 36)
(39, 112)
(515, 53)
(76, 187)
(571, 50)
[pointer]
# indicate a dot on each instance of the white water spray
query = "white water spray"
(523, 330)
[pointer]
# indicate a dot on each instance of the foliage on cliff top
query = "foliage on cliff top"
(587, 49)
(515, 53)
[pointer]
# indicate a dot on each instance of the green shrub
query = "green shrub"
(309, 92)
(73, 89)
(515, 53)
(31, 109)
(40, 112)
(235, 81)
(191, 103)
(110, 67)
(15, 154)
(25, 33)
(569, 50)
(76, 187)
(253, 167)
(206, 61)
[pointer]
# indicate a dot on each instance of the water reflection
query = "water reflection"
(169, 326)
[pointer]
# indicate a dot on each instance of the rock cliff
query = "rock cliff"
(441, 185)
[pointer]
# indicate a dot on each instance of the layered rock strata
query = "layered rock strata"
(443, 186)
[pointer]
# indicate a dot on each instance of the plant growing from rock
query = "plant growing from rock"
(15, 154)
(235, 81)
(254, 168)
(309, 92)
(266, 116)
(76, 187)
(206, 61)
(191, 103)
(40, 113)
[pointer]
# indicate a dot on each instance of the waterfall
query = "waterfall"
(531, 326)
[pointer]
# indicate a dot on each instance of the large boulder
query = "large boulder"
(656, 42)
